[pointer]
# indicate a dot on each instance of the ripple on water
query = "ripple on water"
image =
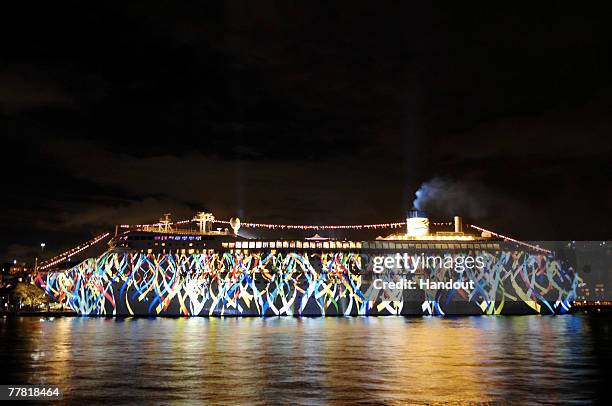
(312, 360)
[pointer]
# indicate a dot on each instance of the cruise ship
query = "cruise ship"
(191, 269)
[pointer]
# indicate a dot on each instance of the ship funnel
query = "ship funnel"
(458, 224)
(417, 223)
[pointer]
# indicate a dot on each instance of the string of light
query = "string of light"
(322, 227)
(273, 226)
(73, 251)
(505, 237)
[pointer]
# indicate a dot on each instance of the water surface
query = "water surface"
(535, 359)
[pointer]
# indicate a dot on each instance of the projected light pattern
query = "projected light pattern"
(291, 283)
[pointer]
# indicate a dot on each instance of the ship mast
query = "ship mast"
(204, 221)
(165, 223)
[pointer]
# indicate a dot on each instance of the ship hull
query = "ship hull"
(270, 283)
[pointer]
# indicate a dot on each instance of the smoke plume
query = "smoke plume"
(448, 197)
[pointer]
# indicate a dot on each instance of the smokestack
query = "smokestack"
(458, 224)
(417, 223)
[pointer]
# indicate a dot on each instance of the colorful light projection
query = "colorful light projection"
(295, 284)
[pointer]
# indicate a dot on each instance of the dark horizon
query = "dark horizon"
(291, 114)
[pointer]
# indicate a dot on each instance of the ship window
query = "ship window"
(272, 244)
(238, 244)
(325, 244)
(285, 244)
(319, 245)
(292, 244)
(358, 245)
(251, 244)
(258, 244)
(298, 244)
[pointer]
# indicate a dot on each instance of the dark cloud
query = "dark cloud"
(302, 113)
(22, 92)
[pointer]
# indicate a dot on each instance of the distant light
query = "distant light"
(14, 262)
(42, 245)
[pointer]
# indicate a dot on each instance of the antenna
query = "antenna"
(165, 223)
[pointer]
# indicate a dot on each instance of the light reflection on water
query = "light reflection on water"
(311, 360)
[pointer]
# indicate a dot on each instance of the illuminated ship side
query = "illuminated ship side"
(170, 272)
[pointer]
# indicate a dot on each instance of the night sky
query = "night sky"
(278, 112)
